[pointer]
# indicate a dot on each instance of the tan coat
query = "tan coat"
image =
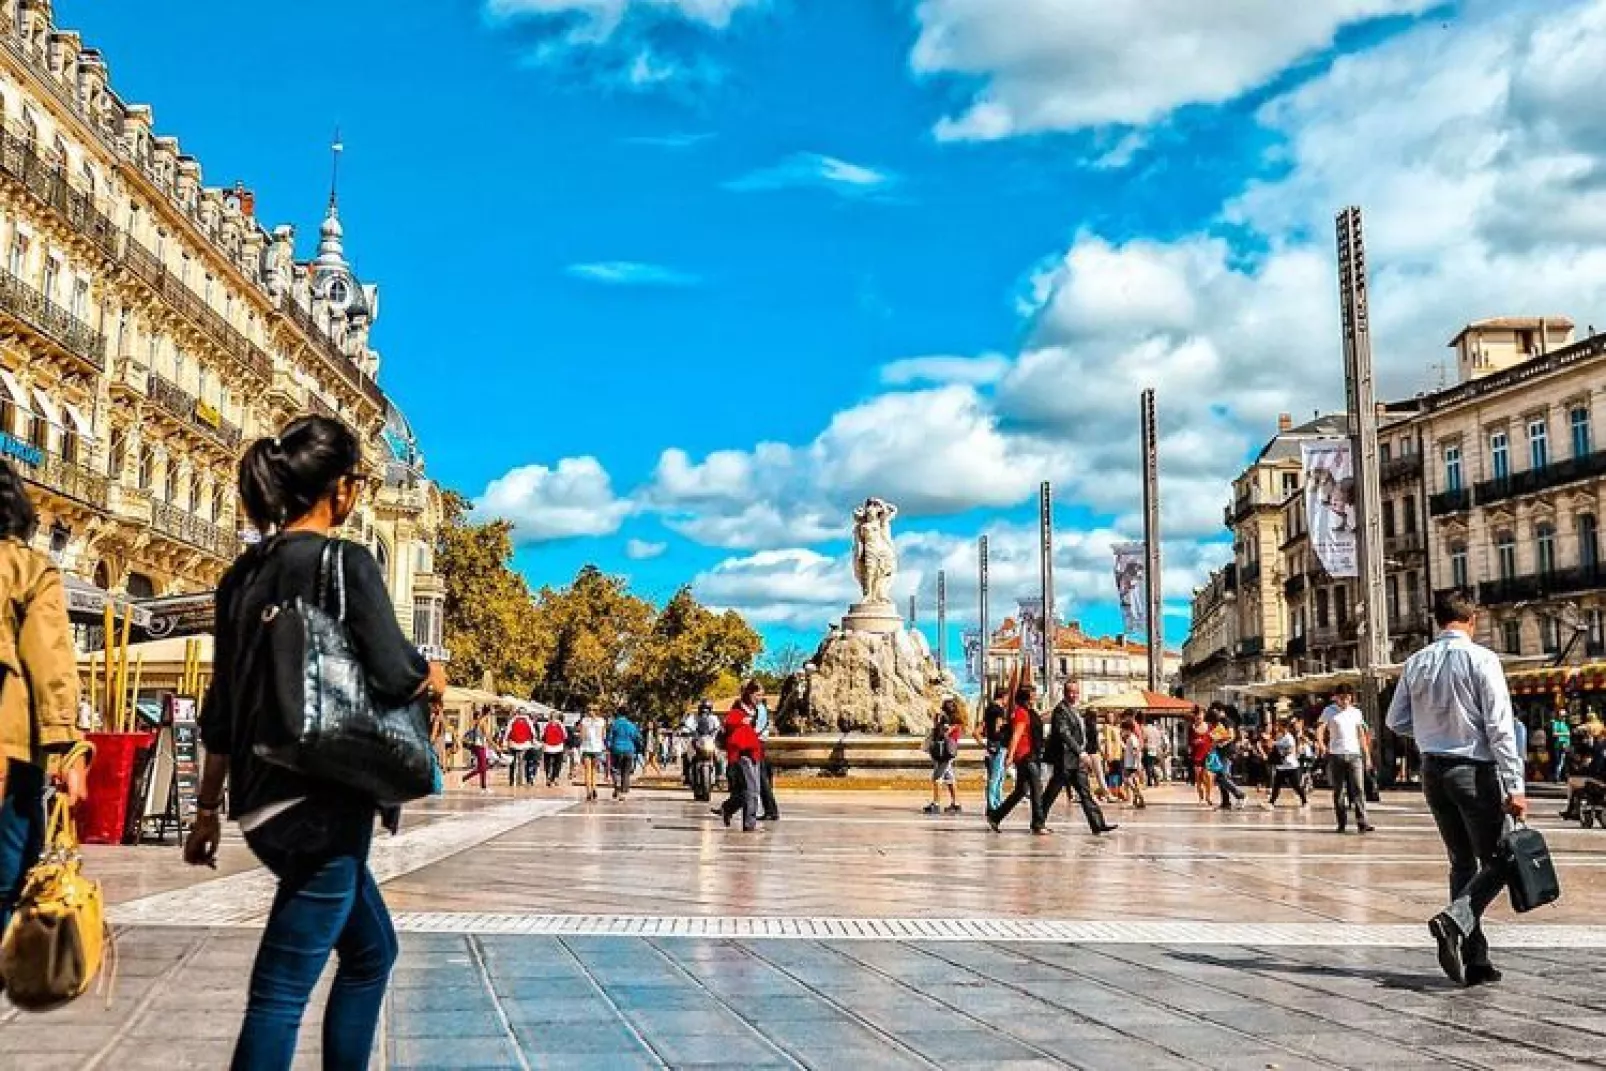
(39, 687)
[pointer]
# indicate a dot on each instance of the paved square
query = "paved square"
(540, 932)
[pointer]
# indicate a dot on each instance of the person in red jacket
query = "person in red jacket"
(745, 751)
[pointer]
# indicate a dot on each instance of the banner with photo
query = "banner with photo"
(975, 655)
(1131, 587)
(1029, 612)
(1330, 515)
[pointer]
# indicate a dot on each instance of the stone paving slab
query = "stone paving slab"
(529, 1002)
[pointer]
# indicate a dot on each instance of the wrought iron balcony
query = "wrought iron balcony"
(1544, 585)
(188, 528)
(1532, 481)
(1403, 544)
(46, 317)
(1250, 646)
(1297, 647)
(55, 473)
(1446, 502)
(184, 407)
(1294, 585)
(1250, 573)
(1398, 469)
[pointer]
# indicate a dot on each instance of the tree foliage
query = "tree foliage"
(491, 624)
(689, 651)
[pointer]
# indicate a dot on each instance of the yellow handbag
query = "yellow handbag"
(54, 946)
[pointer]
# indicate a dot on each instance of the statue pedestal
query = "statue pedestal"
(881, 618)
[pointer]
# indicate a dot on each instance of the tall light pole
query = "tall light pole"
(942, 621)
(1045, 542)
(1358, 385)
(1153, 588)
(981, 599)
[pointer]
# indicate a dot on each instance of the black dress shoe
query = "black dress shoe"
(1448, 936)
(1483, 974)
(1107, 829)
(1368, 829)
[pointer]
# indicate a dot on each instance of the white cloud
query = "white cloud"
(638, 44)
(1040, 65)
(812, 170)
(640, 550)
(574, 498)
(804, 589)
(631, 273)
(980, 371)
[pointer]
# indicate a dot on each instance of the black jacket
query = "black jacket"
(1068, 737)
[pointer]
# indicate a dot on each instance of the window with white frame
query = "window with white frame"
(1538, 444)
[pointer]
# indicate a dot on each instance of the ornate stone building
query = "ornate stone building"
(1100, 665)
(150, 325)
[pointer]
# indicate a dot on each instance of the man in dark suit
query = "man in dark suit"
(1067, 740)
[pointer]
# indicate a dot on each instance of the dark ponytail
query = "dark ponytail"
(283, 478)
(17, 517)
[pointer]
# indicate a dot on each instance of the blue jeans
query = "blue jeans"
(996, 765)
(22, 832)
(327, 902)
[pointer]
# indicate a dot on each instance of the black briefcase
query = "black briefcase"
(1533, 876)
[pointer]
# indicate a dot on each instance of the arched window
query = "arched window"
(141, 586)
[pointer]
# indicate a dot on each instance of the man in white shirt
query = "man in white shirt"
(1452, 699)
(1345, 741)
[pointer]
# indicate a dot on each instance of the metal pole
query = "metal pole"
(986, 633)
(1045, 524)
(912, 621)
(942, 621)
(1153, 588)
(1374, 637)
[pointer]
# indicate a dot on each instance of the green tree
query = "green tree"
(595, 629)
(491, 622)
(689, 650)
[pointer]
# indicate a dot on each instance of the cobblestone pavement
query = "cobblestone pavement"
(538, 932)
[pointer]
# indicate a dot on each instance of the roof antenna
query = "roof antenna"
(335, 149)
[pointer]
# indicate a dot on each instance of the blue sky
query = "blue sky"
(623, 243)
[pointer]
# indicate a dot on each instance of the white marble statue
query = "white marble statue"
(875, 559)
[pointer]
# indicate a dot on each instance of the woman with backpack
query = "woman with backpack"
(943, 747)
(39, 707)
(554, 739)
(313, 834)
(518, 739)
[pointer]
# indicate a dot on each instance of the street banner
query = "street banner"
(975, 654)
(1131, 572)
(1029, 612)
(1330, 505)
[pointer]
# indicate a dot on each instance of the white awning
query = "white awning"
(80, 423)
(47, 407)
(13, 388)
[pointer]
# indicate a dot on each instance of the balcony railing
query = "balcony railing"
(1403, 544)
(188, 528)
(180, 404)
(1533, 481)
(48, 318)
(1294, 585)
(1533, 586)
(1297, 647)
(1450, 502)
(56, 473)
(1250, 573)
(1325, 636)
(1396, 469)
(1250, 646)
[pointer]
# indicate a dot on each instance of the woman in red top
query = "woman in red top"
(1023, 753)
(745, 751)
(1200, 745)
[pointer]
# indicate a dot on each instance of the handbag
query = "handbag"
(57, 939)
(335, 728)
(1532, 874)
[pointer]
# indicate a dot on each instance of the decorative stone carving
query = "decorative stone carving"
(875, 558)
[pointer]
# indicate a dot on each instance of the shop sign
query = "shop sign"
(15, 448)
(208, 415)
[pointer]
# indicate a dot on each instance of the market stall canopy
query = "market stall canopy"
(470, 697)
(86, 604)
(1144, 701)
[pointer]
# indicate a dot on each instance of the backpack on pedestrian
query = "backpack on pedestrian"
(940, 745)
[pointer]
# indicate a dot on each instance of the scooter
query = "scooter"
(702, 769)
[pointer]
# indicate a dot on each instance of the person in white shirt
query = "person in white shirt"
(1343, 737)
(592, 731)
(1452, 699)
(1285, 764)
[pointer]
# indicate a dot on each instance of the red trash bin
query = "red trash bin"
(102, 815)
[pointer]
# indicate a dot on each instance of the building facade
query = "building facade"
(150, 325)
(1516, 478)
(1101, 666)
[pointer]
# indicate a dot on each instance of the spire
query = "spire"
(335, 149)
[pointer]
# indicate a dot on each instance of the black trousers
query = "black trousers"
(1468, 806)
(766, 791)
(1028, 784)
(554, 766)
(1294, 779)
(1069, 775)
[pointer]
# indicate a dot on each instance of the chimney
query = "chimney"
(1285, 422)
